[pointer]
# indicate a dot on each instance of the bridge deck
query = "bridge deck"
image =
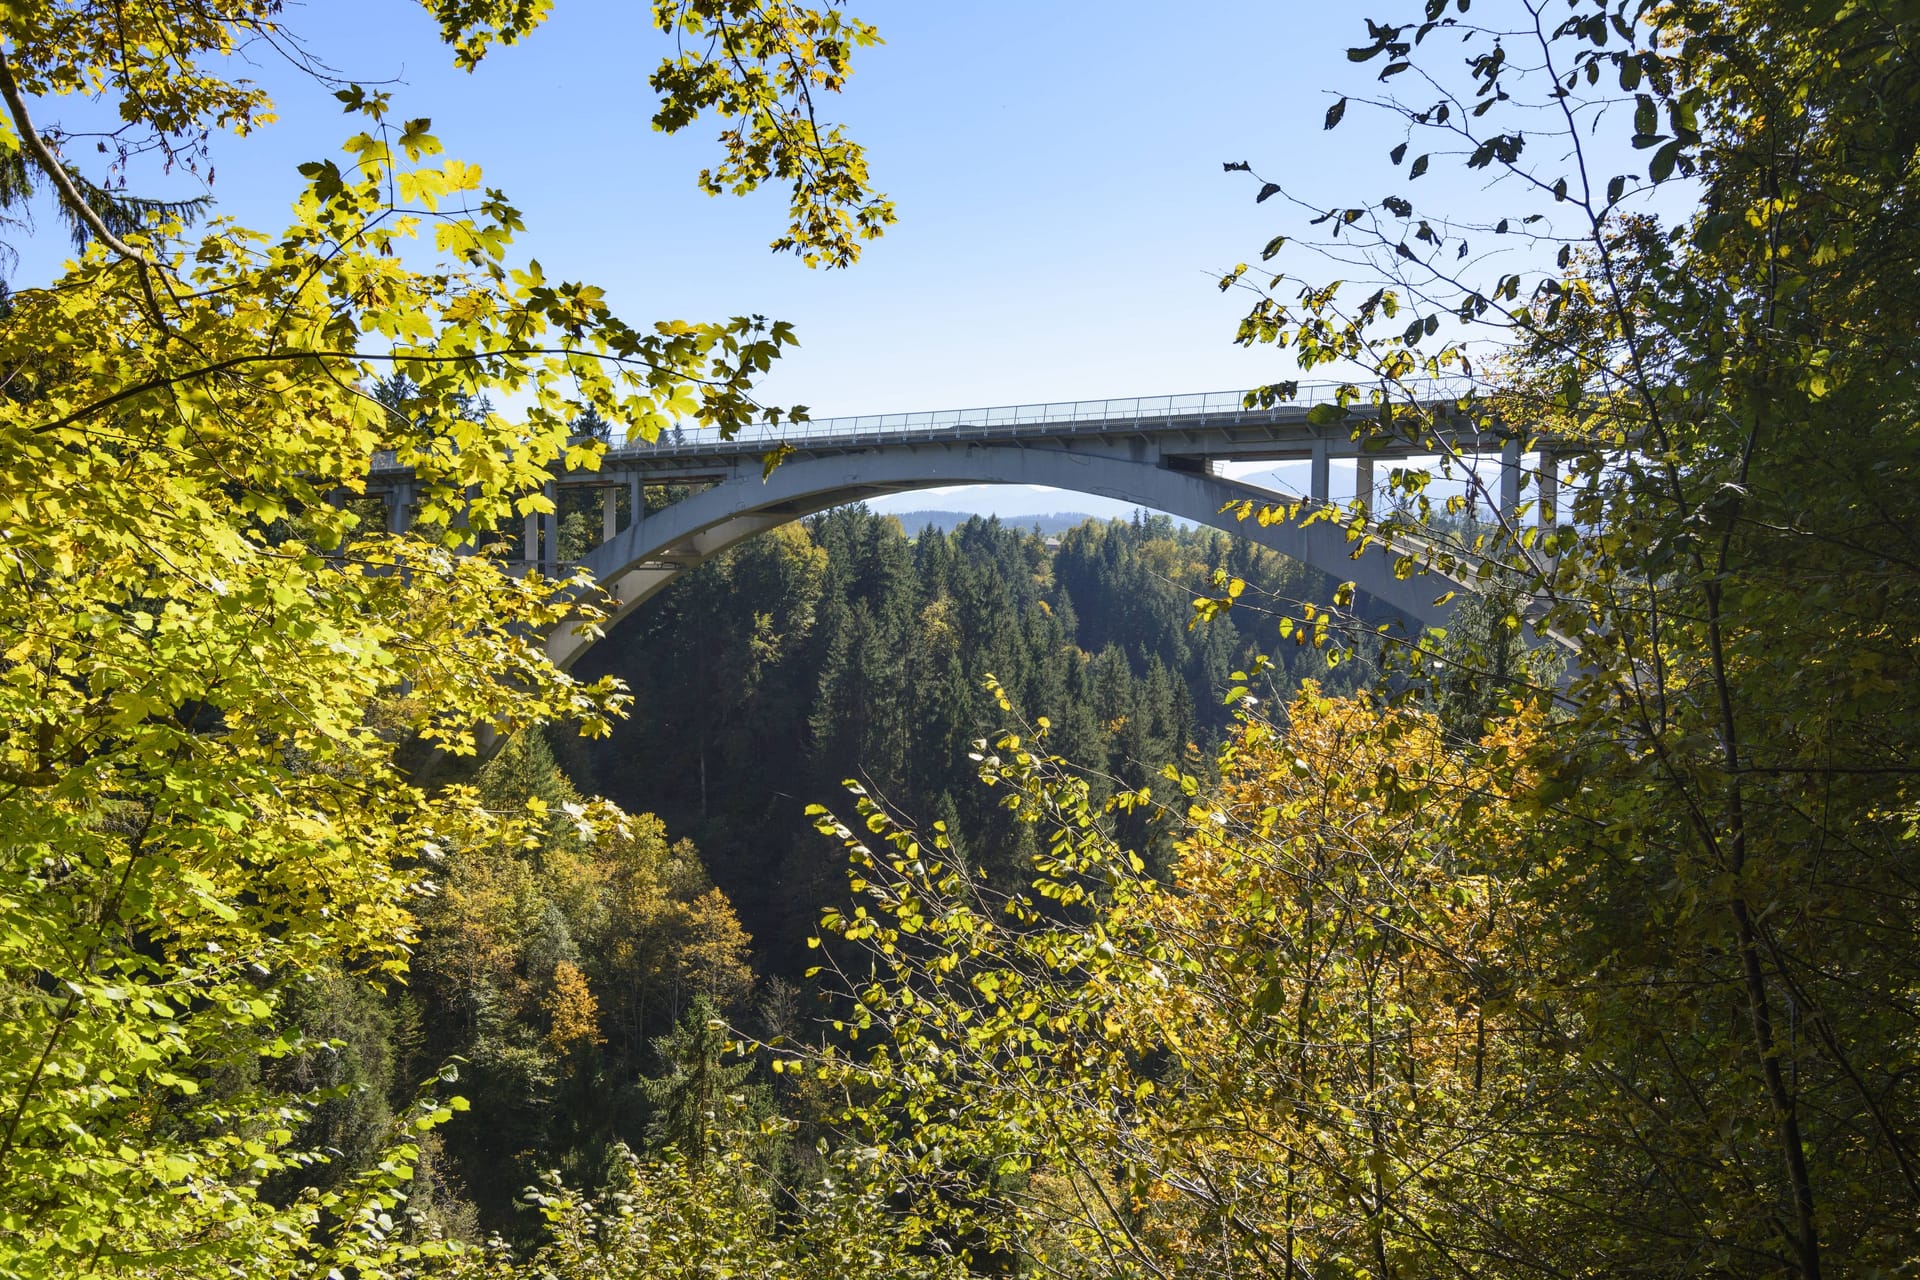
(1158, 452)
(1202, 426)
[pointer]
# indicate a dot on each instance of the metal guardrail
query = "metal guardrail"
(996, 419)
(1142, 411)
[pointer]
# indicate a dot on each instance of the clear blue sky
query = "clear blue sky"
(1057, 168)
(1056, 165)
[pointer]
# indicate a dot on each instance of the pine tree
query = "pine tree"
(697, 1093)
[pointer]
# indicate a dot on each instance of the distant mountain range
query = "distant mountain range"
(1019, 506)
(946, 521)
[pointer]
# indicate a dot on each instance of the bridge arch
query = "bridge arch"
(640, 560)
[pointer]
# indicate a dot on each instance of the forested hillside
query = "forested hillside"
(846, 647)
(550, 966)
(568, 970)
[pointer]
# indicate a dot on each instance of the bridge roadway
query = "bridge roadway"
(1159, 452)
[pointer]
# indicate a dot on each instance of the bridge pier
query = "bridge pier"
(550, 543)
(1318, 472)
(400, 509)
(1509, 479)
(1549, 488)
(1363, 482)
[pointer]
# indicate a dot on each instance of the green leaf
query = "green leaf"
(1646, 116)
(1661, 167)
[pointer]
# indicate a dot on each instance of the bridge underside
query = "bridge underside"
(634, 563)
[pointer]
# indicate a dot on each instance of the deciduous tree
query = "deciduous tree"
(210, 663)
(1703, 317)
(1307, 1050)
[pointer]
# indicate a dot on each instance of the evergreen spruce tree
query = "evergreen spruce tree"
(696, 1094)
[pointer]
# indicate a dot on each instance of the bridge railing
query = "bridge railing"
(998, 419)
(994, 420)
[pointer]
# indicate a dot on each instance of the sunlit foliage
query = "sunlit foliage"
(220, 682)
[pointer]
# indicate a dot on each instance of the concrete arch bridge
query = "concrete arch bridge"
(1163, 453)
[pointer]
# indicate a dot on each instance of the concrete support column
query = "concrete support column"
(1509, 479)
(1317, 480)
(1549, 488)
(636, 500)
(1363, 482)
(400, 508)
(550, 522)
(531, 552)
(609, 514)
(463, 524)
